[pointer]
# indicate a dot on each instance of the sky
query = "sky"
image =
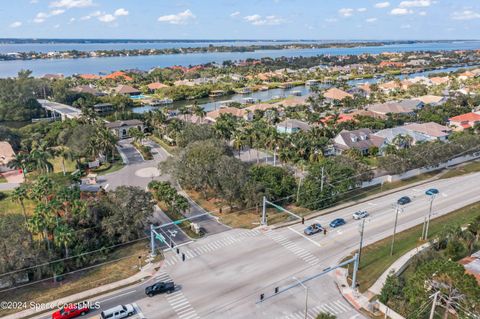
(241, 19)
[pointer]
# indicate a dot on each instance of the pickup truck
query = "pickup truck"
(160, 287)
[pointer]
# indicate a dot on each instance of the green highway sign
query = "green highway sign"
(160, 237)
(177, 222)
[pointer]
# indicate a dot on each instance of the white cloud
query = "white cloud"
(258, 20)
(40, 17)
(382, 5)
(235, 14)
(68, 4)
(371, 20)
(15, 24)
(121, 12)
(422, 13)
(56, 12)
(72, 20)
(415, 3)
(180, 18)
(465, 15)
(362, 9)
(400, 11)
(107, 18)
(346, 12)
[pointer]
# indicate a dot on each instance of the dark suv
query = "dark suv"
(159, 288)
(404, 200)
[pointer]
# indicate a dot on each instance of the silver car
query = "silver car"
(360, 214)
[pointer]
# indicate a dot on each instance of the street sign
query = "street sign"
(172, 233)
(177, 222)
(160, 237)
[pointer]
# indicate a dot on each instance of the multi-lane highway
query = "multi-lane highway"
(225, 273)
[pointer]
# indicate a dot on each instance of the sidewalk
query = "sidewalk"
(146, 272)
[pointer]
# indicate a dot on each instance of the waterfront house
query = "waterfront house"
(407, 107)
(90, 76)
(391, 135)
(6, 155)
(332, 95)
(119, 75)
(312, 82)
(121, 128)
(212, 116)
(127, 90)
(52, 77)
(102, 108)
(87, 89)
(464, 121)
(290, 126)
(361, 139)
(340, 119)
(152, 87)
(439, 80)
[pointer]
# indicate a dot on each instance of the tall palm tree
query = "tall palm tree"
(40, 156)
(106, 141)
(21, 161)
(199, 111)
(63, 237)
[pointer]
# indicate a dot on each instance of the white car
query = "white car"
(118, 312)
(360, 214)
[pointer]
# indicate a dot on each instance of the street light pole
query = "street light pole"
(264, 212)
(394, 228)
(428, 219)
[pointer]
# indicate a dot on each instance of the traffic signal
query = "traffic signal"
(262, 296)
(303, 220)
(171, 244)
(183, 257)
(276, 290)
(178, 250)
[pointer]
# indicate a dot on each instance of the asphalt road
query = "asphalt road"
(225, 273)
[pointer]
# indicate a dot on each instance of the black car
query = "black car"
(404, 200)
(159, 288)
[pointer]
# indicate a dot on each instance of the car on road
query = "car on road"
(360, 214)
(313, 229)
(71, 311)
(432, 191)
(160, 288)
(118, 312)
(337, 222)
(403, 200)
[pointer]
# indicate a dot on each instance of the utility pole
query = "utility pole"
(434, 304)
(394, 228)
(428, 219)
(355, 269)
(264, 212)
(362, 228)
(152, 241)
(306, 296)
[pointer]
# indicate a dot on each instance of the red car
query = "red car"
(71, 311)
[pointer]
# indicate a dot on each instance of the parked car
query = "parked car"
(313, 229)
(71, 311)
(360, 214)
(118, 312)
(404, 200)
(337, 222)
(160, 288)
(432, 191)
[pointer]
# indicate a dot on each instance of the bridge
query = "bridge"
(58, 110)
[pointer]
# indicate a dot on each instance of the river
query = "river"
(106, 65)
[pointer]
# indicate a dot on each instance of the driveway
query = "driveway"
(129, 152)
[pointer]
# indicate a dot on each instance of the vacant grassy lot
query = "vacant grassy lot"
(7, 206)
(376, 257)
(123, 263)
(57, 165)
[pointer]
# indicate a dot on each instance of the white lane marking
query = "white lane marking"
(138, 311)
(106, 186)
(121, 295)
(309, 239)
(372, 204)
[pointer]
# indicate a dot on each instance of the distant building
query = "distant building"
(433, 130)
(362, 140)
(88, 89)
(118, 76)
(334, 94)
(212, 116)
(407, 107)
(90, 76)
(472, 265)
(6, 155)
(120, 128)
(290, 126)
(53, 76)
(152, 87)
(127, 90)
(103, 108)
(433, 100)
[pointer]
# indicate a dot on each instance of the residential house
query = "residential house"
(391, 64)
(119, 75)
(391, 134)
(340, 119)
(212, 116)
(361, 139)
(127, 90)
(334, 94)
(433, 130)
(390, 86)
(472, 265)
(6, 155)
(87, 89)
(433, 100)
(152, 87)
(290, 126)
(407, 107)
(464, 121)
(53, 76)
(90, 76)
(439, 80)
(121, 128)
(103, 108)
(466, 76)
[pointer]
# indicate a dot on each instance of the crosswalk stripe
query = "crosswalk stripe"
(186, 313)
(342, 305)
(186, 305)
(330, 309)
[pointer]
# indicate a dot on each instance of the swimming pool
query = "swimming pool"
(138, 97)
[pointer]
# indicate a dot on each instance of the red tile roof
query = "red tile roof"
(468, 117)
(117, 75)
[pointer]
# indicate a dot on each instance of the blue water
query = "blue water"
(138, 97)
(105, 65)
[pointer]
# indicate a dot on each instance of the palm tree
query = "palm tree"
(199, 111)
(63, 237)
(66, 154)
(105, 141)
(403, 141)
(20, 162)
(39, 157)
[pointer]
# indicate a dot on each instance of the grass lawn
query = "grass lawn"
(47, 291)
(7, 206)
(171, 149)
(463, 170)
(2, 179)
(376, 257)
(57, 165)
